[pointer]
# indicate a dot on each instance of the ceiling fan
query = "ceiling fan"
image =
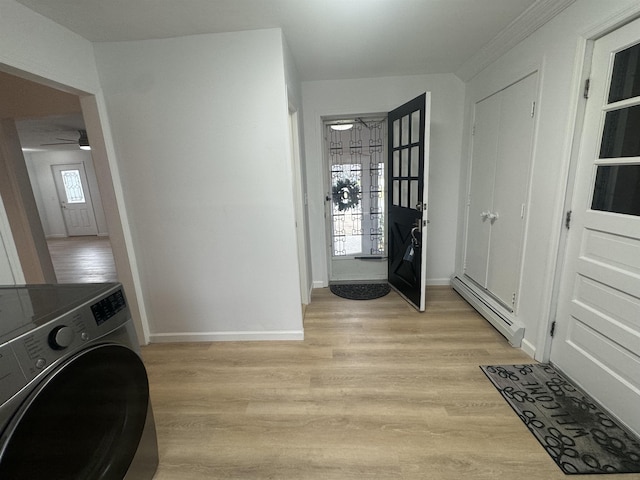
(82, 142)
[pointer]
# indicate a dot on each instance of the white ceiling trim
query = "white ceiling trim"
(528, 22)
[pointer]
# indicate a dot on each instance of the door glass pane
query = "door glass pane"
(396, 193)
(415, 126)
(72, 186)
(415, 162)
(625, 79)
(405, 162)
(413, 201)
(617, 189)
(396, 163)
(620, 137)
(404, 193)
(396, 133)
(405, 130)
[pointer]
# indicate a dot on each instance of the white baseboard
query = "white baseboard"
(56, 235)
(528, 348)
(319, 284)
(178, 337)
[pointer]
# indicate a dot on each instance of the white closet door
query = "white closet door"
(483, 167)
(510, 188)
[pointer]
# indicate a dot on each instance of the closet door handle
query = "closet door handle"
(485, 215)
(492, 217)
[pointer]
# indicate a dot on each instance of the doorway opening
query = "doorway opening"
(58, 182)
(356, 166)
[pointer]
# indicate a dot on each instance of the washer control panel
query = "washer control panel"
(36, 350)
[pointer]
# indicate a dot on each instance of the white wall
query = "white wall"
(200, 127)
(34, 44)
(44, 188)
(556, 50)
(381, 95)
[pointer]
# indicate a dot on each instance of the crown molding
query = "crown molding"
(528, 22)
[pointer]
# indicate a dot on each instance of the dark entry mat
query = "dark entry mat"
(360, 291)
(574, 430)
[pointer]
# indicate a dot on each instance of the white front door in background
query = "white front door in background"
(75, 199)
(597, 336)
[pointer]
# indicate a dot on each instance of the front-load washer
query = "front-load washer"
(74, 395)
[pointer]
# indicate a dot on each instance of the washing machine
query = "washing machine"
(74, 395)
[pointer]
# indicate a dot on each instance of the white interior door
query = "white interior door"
(483, 171)
(510, 189)
(597, 340)
(75, 199)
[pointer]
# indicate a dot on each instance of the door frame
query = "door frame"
(300, 204)
(326, 184)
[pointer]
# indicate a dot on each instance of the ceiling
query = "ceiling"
(38, 134)
(329, 39)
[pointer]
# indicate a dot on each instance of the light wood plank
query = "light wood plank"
(82, 259)
(375, 391)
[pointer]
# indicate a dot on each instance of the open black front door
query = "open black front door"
(407, 199)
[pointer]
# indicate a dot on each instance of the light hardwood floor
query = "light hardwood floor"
(375, 391)
(82, 259)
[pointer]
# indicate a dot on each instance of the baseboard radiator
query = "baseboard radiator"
(512, 330)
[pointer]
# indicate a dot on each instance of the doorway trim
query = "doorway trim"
(300, 204)
(108, 177)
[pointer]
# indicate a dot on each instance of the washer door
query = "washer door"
(82, 422)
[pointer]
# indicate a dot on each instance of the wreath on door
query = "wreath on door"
(346, 194)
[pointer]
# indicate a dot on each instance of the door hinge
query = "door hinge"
(533, 109)
(473, 130)
(513, 298)
(587, 84)
(567, 220)
(552, 332)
